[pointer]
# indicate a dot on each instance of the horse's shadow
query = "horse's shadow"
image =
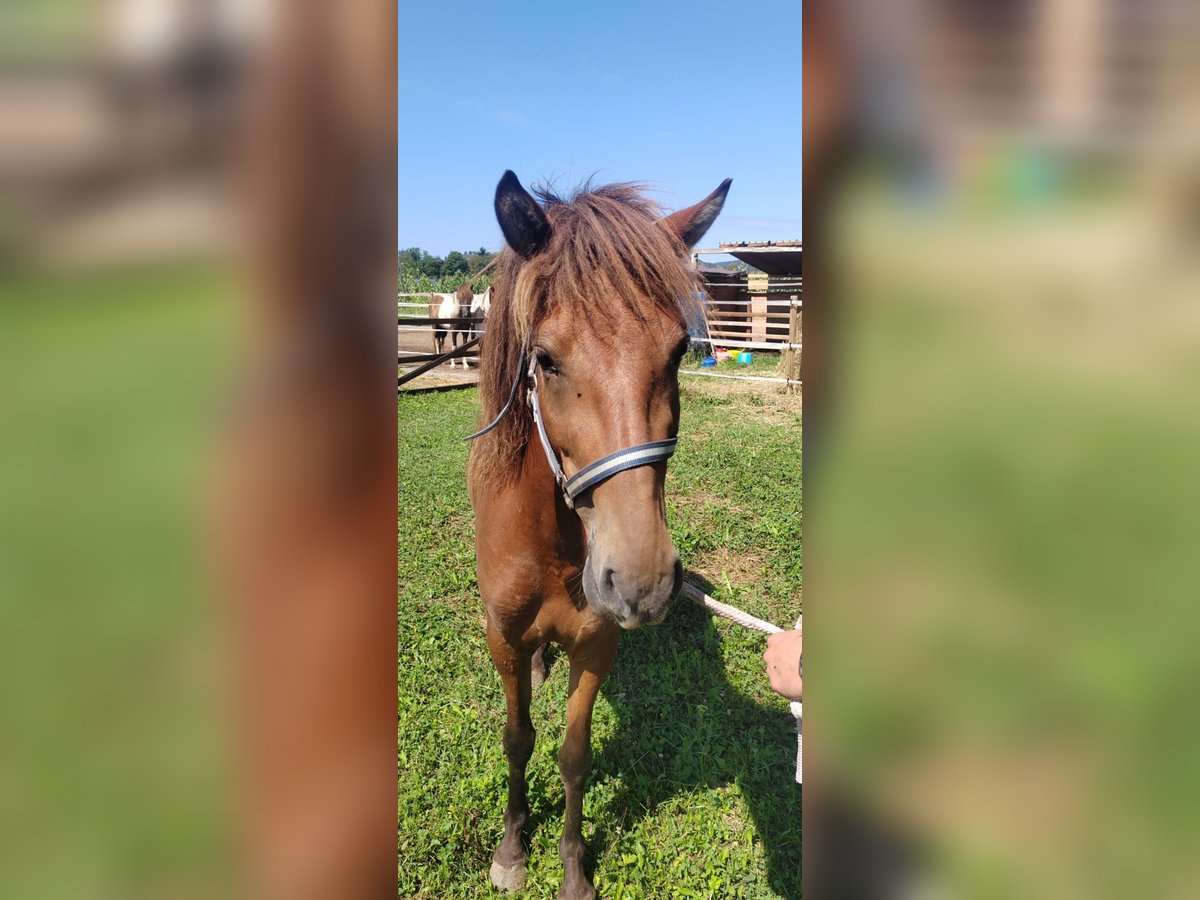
(682, 726)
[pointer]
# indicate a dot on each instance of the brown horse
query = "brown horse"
(567, 483)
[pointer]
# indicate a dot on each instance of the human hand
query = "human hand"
(783, 655)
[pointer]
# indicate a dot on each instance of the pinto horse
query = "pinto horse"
(481, 305)
(567, 483)
(457, 307)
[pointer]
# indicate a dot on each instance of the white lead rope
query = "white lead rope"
(745, 619)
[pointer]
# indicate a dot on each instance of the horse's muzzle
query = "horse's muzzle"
(630, 596)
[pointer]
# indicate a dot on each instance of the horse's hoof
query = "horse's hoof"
(507, 878)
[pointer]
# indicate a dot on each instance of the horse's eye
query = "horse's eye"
(680, 350)
(546, 363)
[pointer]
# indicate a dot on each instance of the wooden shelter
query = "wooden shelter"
(755, 309)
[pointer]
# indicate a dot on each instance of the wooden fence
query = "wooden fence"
(760, 313)
(413, 317)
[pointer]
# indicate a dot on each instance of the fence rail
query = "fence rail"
(436, 361)
(440, 323)
(767, 378)
(750, 345)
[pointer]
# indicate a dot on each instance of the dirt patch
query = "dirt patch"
(739, 567)
(700, 500)
(409, 342)
(441, 376)
(773, 402)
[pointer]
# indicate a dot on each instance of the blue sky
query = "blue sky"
(678, 95)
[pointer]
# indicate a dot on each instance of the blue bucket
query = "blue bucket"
(745, 357)
(708, 362)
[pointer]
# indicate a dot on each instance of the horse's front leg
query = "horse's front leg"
(590, 664)
(508, 862)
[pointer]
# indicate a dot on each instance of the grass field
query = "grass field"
(692, 791)
(112, 760)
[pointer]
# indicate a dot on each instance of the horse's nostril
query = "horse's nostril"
(608, 579)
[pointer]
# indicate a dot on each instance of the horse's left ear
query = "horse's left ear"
(690, 224)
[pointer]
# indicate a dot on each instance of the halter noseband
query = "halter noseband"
(594, 473)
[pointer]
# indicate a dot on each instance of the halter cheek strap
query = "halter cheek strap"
(594, 473)
(559, 476)
(512, 396)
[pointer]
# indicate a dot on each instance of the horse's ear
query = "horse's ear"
(522, 220)
(690, 224)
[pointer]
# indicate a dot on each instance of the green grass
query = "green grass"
(692, 791)
(112, 759)
(1010, 518)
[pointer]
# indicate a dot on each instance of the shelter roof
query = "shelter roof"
(772, 257)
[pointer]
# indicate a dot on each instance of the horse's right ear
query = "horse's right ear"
(522, 220)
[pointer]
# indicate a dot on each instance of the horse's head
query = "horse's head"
(481, 304)
(598, 284)
(463, 296)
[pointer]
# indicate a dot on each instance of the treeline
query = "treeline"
(421, 271)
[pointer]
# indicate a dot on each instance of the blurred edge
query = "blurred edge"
(197, 461)
(312, 477)
(1002, 211)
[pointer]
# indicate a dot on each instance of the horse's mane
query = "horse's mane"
(607, 256)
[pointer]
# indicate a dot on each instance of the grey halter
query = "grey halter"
(594, 473)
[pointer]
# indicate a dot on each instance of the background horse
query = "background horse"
(456, 306)
(481, 305)
(571, 534)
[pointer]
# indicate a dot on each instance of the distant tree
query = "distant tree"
(430, 266)
(454, 264)
(409, 258)
(477, 260)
